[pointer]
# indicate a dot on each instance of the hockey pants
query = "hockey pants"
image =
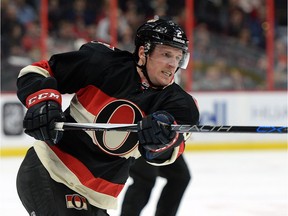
(42, 196)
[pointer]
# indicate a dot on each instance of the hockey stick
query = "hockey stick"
(63, 126)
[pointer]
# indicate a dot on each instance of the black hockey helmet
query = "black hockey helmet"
(166, 32)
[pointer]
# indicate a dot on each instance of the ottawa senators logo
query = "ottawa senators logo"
(76, 201)
(116, 142)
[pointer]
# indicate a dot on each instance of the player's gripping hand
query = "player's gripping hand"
(154, 132)
(44, 109)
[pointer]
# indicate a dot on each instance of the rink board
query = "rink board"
(219, 108)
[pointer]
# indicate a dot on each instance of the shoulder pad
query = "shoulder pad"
(95, 45)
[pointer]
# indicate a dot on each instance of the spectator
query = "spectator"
(280, 71)
(64, 40)
(26, 14)
(31, 41)
(79, 10)
(12, 30)
(103, 27)
(54, 15)
(213, 80)
(239, 81)
(236, 22)
(213, 35)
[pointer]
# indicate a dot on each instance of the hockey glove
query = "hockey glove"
(154, 132)
(44, 109)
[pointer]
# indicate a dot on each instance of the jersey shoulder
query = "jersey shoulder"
(104, 48)
(180, 93)
(97, 46)
(103, 53)
(187, 107)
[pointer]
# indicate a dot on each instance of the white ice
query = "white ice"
(234, 183)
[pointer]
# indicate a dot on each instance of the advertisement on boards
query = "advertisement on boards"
(242, 109)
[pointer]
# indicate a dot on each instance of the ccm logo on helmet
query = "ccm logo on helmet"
(43, 95)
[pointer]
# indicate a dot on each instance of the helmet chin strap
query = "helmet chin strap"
(143, 67)
(145, 73)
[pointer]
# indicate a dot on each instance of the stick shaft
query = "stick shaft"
(178, 128)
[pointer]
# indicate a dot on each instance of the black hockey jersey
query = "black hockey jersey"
(107, 89)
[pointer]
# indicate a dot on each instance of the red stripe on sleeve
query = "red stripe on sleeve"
(45, 65)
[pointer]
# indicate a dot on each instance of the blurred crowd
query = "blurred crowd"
(229, 38)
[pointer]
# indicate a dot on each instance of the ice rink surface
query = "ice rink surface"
(232, 183)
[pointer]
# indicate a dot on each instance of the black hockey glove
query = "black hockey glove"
(154, 132)
(44, 110)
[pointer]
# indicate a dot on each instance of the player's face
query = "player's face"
(162, 64)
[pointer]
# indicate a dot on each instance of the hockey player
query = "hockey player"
(83, 172)
(144, 177)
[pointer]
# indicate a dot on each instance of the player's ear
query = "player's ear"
(141, 55)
